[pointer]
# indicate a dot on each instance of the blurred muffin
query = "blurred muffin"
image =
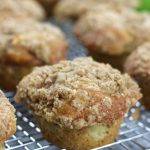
(111, 35)
(106, 35)
(138, 66)
(48, 5)
(75, 8)
(7, 120)
(21, 9)
(25, 44)
(79, 104)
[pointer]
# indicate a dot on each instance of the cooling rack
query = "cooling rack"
(134, 132)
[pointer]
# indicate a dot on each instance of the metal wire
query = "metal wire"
(133, 135)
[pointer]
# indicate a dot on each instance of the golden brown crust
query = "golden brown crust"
(11, 74)
(104, 36)
(29, 42)
(138, 65)
(79, 93)
(76, 8)
(21, 9)
(97, 32)
(7, 118)
(72, 8)
(25, 44)
(138, 61)
(84, 139)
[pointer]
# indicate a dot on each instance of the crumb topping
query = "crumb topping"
(21, 8)
(76, 8)
(26, 41)
(7, 118)
(78, 93)
(139, 60)
(95, 30)
(102, 34)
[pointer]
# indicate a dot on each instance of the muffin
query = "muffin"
(21, 9)
(75, 8)
(78, 104)
(138, 65)
(48, 5)
(25, 44)
(7, 120)
(111, 40)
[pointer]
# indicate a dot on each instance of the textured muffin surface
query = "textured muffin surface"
(139, 61)
(21, 9)
(138, 66)
(119, 34)
(29, 42)
(25, 44)
(79, 93)
(76, 8)
(7, 118)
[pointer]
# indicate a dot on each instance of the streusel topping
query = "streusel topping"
(95, 30)
(76, 8)
(122, 31)
(21, 9)
(7, 118)
(31, 39)
(139, 60)
(78, 93)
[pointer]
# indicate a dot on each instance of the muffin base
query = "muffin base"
(146, 98)
(144, 83)
(10, 75)
(146, 102)
(116, 61)
(1, 146)
(83, 139)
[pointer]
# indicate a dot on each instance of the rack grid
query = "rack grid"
(134, 134)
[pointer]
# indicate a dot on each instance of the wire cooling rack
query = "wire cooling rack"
(134, 132)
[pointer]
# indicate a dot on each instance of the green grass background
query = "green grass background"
(144, 5)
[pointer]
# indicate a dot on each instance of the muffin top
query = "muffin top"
(120, 33)
(31, 43)
(72, 8)
(7, 118)
(138, 62)
(79, 93)
(109, 35)
(76, 8)
(21, 9)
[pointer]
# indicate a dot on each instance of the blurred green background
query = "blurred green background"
(144, 5)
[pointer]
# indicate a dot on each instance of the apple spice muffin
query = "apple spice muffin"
(79, 104)
(25, 44)
(7, 120)
(48, 5)
(138, 66)
(111, 40)
(21, 9)
(76, 8)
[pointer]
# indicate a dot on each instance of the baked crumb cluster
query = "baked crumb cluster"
(79, 93)
(7, 118)
(139, 60)
(76, 8)
(95, 30)
(30, 42)
(101, 34)
(21, 9)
